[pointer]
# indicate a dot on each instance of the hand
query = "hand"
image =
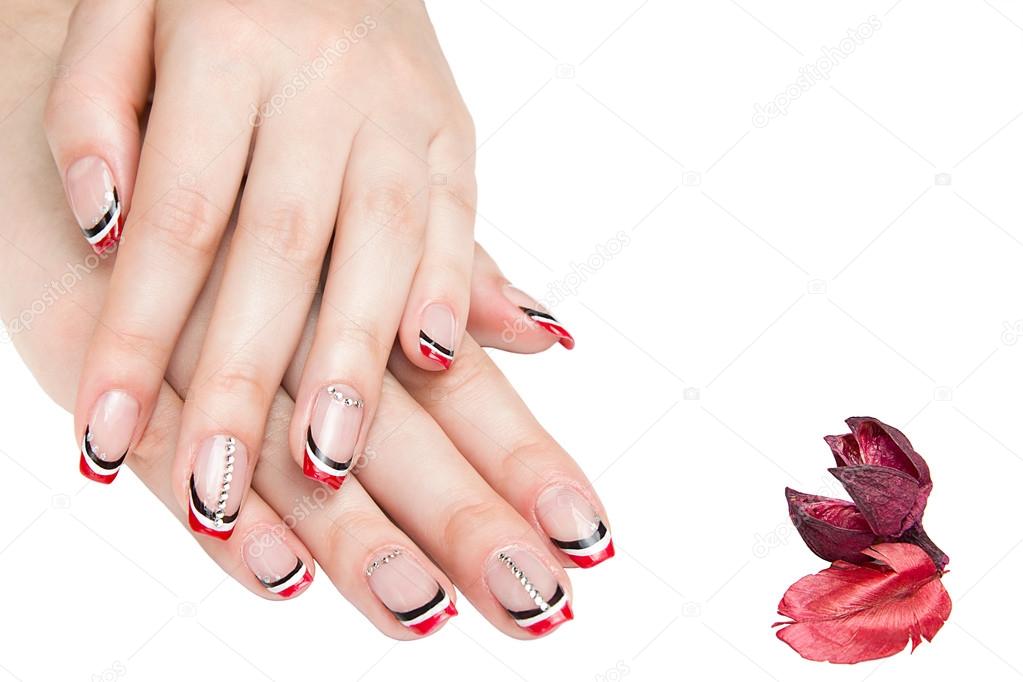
(525, 484)
(351, 99)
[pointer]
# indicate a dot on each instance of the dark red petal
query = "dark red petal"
(845, 449)
(890, 500)
(833, 529)
(886, 446)
(848, 614)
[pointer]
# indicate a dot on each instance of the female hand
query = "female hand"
(339, 99)
(529, 486)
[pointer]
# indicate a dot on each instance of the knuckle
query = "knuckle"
(343, 535)
(184, 219)
(290, 233)
(391, 205)
(465, 519)
(359, 341)
(132, 340)
(241, 382)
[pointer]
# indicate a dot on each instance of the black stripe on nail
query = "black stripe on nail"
(532, 613)
(536, 313)
(295, 571)
(102, 223)
(415, 613)
(203, 509)
(597, 536)
(433, 344)
(101, 463)
(320, 455)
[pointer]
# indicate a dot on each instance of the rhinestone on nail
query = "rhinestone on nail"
(386, 559)
(347, 401)
(527, 585)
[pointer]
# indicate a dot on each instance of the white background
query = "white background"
(775, 280)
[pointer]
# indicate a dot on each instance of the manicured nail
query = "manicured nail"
(408, 591)
(216, 486)
(275, 565)
(108, 436)
(95, 203)
(437, 334)
(574, 527)
(332, 433)
(536, 314)
(528, 591)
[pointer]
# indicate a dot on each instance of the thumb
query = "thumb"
(92, 113)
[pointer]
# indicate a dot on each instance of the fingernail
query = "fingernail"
(108, 436)
(574, 527)
(95, 202)
(275, 565)
(528, 591)
(216, 486)
(332, 433)
(536, 314)
(437, 334)
(408, 591)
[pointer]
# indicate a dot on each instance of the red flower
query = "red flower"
(848, 613)
(884, 475)
(889, 483)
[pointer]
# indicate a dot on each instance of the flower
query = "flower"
(886, 478)
(889, 483)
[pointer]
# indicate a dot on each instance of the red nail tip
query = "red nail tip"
(198, 527)
(298, 587)
(109, 242)
(439, 359)
(86, 471)
(431, 625)
(567, 341)
(549, 624)
(311, 472)
(594, 559)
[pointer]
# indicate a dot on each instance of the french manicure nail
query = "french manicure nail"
(528, 591)
(437, 334)
(574, 527)
(216, 486)
(408, 591)
(332, 434)
(275, 565)
(95, 202)
(108, 436)
(536, 314)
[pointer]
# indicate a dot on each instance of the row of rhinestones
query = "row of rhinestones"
(524, 581)
(338, 396)
(386, 559)
(225, 487)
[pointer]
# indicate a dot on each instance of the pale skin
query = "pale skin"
(455, 462)
(327, 132)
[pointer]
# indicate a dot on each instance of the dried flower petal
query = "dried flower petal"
(832, 529)
(890, 500)
(848, 613)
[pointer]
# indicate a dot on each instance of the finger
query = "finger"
(501, 316)
(176, 224)
(497, 434)
(438, 304)
(264, 555)
(378, 244)
(92, 113)
(493, 555)
(272, 270)
(372, 563)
